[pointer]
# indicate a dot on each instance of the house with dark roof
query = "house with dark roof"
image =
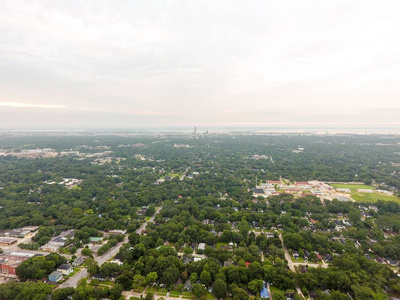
(313, 295)
(270, 235)
(306, 254)
(368, 256)
(290, 295)
(379, 260)
(65, 269)
(391, 262)
(78, 261)
(186, 259)
(187, 286)
(258, 192)
(99, 277)
(327, 257)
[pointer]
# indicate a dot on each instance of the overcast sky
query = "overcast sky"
(130, 64)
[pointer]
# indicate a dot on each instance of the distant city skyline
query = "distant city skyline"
(209, 64)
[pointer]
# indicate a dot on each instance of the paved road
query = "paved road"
(269, 292)
(73, 281)
(291, 265)
(287, 255)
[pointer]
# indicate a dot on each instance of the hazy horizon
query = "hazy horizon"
(180, 64)
(213, 130)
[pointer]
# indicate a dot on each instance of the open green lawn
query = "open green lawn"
(221, 244)
(188, 295)
(76, 270)
(352, 186)
(162, 292)
(210, 296)
(174, 293)
(153, 289)
(373, 197)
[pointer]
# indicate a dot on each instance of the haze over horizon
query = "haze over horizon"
(120, 64)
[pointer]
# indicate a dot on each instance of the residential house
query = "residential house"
(391, 262)
(327, 258)
(368, 256)
(142, 211)
(196, 258)
(187, 286)
(313, 295)
(379, 260)
(117, 231)
(56, 276)
(99, 277)
(289, 295)
(201, 246)
(373, 208)
(78, 261)
(65, 269)
(270, 235)
(116, 261)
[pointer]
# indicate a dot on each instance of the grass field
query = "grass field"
(373, 197)
(162, 292)
(221, 244)
(210, 296)
(188, 295)
(175, 293)
(352, 186)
